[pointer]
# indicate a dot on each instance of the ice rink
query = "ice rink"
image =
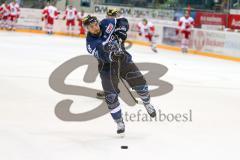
(30, 130)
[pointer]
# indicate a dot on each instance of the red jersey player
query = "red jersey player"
(14, 14)
(147, 30)
(80, 17)
(44, 16)
(70, 15)
(4, 14)
(51, 13)
(185, 26)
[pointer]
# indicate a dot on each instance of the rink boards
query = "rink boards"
(217, 44)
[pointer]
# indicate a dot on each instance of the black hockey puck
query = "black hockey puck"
(124, 147)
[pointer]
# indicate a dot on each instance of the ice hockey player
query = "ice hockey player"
(70, 15)
(1, 15)
(111, 13)
(185, 25)
(80, 17)
(44, 16)
(104, 42)
(14, 14)
(51, 13)
(4, 15)
(147, 30)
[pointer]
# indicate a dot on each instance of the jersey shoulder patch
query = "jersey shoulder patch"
(109, 28)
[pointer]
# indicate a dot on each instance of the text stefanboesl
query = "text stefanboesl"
(141, 116)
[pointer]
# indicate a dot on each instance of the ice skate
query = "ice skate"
(100, 95)
(150, 109)
(120, 127)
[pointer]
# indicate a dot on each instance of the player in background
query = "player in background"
(51, 14)
(113, 13)
(4, 15)
(104, 43)
(185, 26)
(14, 14)
(44, 16)
(147, 30)
(80, 17)
(70, 15)
(1, 16)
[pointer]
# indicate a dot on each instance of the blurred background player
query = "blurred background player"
(185, 26)
(80, 17)
(14, 14)
(44, 16)
(51, 14)
(1, 16)
(147, 30)
(113, 13)
(70, 15)
(4, 15)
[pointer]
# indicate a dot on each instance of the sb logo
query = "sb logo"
(58, 76)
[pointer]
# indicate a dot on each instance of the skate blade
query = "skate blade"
(100, 97)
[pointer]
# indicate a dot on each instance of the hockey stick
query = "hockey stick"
(119, 70)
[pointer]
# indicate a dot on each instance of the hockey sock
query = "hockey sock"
(142, 91)
(116, 113)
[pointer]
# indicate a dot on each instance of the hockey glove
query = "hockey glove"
(114, 50)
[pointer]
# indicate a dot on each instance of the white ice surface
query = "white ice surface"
(29, 129)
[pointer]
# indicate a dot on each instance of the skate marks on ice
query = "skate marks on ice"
(57, 83)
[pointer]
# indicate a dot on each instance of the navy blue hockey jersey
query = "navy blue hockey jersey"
(95, 44)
